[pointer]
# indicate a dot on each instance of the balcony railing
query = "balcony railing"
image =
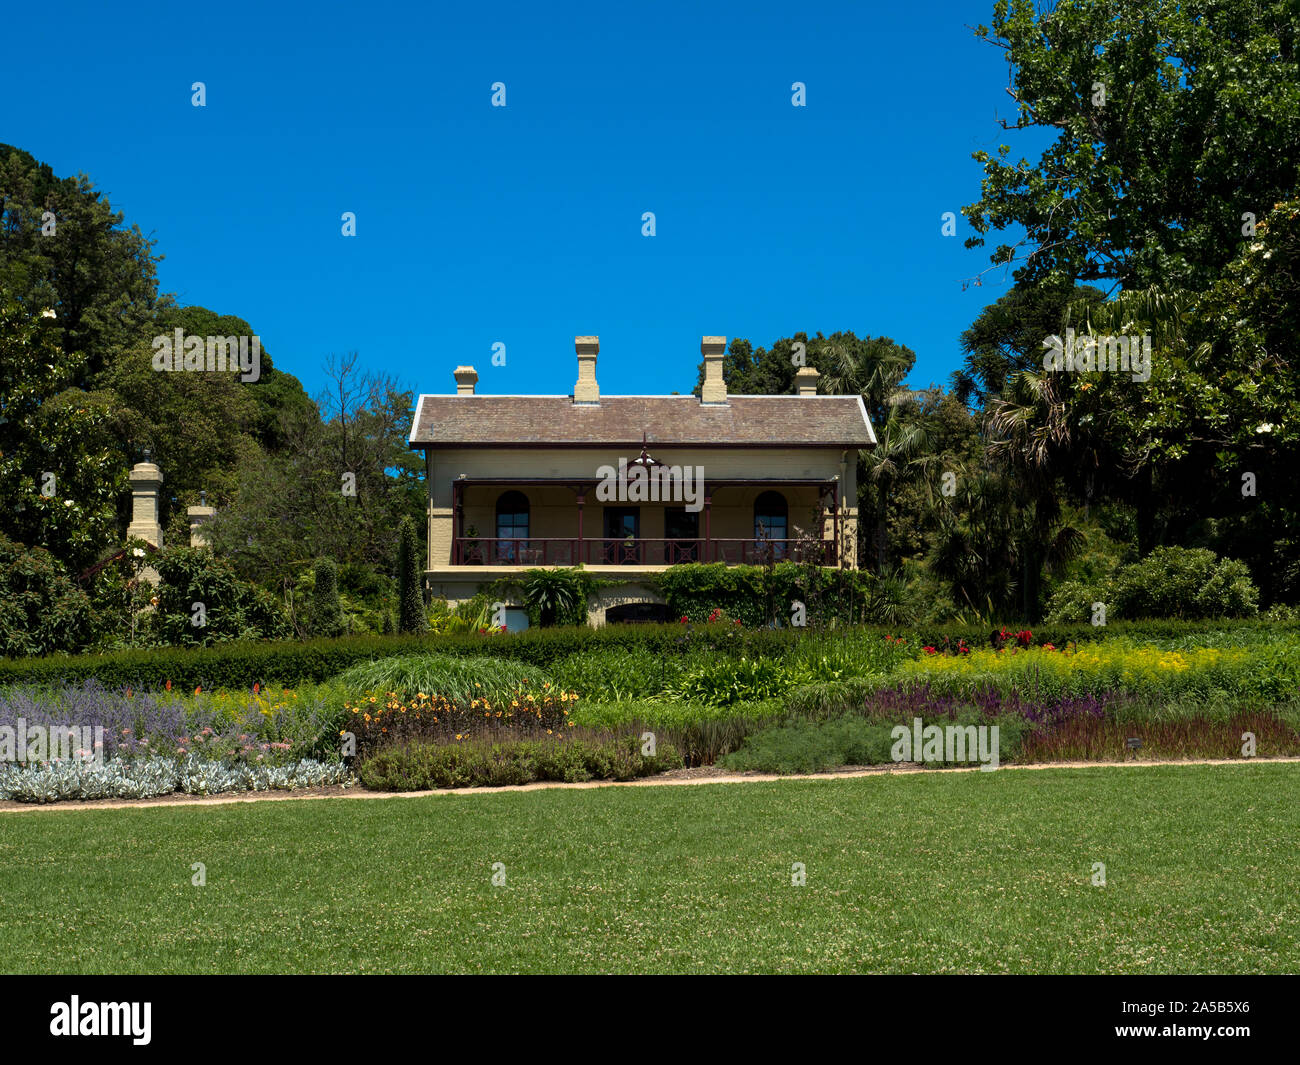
(634, 551)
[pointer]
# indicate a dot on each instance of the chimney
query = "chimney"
(805, 380)
(586, 390)
(466, 379)
(714, 389)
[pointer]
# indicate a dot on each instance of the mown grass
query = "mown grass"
(943, 872)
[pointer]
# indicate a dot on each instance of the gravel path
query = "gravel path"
(700, 775)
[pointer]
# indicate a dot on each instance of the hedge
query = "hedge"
(288, 662)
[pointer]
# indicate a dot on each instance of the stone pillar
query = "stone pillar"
(199, 516)
(146, 480)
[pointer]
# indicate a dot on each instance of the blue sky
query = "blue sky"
(522, 225)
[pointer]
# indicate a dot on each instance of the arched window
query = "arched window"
(512, 524)
(771, 522)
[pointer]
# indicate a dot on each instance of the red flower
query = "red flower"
(929, 650)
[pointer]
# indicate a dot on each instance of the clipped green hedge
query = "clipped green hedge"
(287, 662)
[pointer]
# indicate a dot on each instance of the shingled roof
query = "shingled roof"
(619, 421)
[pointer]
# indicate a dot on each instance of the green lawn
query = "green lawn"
(986, 872)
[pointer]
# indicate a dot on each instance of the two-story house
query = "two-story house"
(627, 486)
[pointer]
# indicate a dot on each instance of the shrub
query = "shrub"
(1072, 601)
(1191, 583)
(1171, 582)
(701, 733)
(482, 763)
(150, 777)
(813, 747)
(326, 610)
(41, 609)
(410, 601)
(816, 746)
(201, 601)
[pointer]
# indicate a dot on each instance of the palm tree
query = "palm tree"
(552, 593)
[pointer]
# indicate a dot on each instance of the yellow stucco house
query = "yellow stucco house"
(627, 486)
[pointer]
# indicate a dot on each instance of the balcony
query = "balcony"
(635, 551)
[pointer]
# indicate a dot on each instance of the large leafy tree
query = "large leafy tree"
(200, 426)
(1172, 119)
(338, 485)
(1007, 337)
(62, 466)
(64, 248)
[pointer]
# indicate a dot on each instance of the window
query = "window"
(512, 524)
(771, 523)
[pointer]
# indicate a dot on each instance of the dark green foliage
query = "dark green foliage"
(410, 601)
(1171, 582)
(41, 608)
(98, 275)
(326, 610)
(1130, 187)
(757, 595)
(1006, 337)
(201, 601)
(557, 596)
